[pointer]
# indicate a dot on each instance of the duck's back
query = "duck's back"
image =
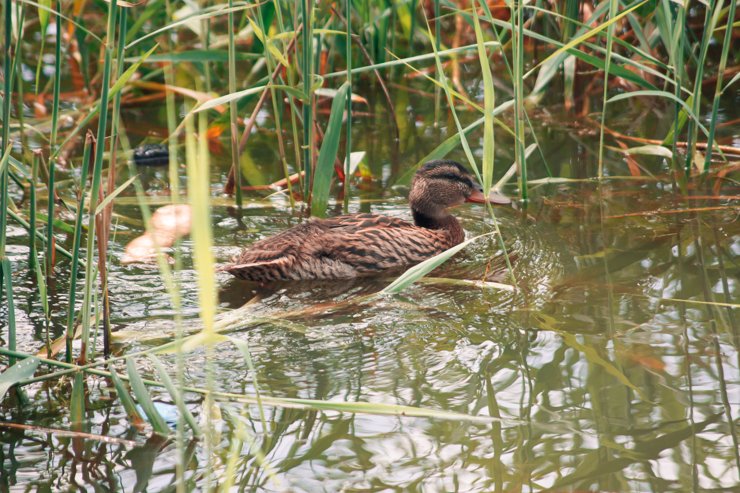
(339, 248)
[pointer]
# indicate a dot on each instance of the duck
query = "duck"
(361, 245)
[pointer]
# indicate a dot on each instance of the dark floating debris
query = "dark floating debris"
(151, 155)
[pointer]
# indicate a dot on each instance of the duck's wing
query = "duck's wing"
(382, 245)
(359, 222)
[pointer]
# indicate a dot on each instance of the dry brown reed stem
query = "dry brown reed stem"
(658, 212)
(230, 181)
(69, 433)
(699, 145)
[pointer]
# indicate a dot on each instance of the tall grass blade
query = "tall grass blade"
(71, 304)
(489, 98)
(7, 273)
(145, 400)
(583, 37)
(308, 104)
(517, 30)
(198, 169)
(711, 17)
(613, 6)
(18, 372)
(77, 402)
(718, 88)
(126, 401)
(418, 271)
(233, 117)
(328, 153)
(348, 131)
(53, 141)
(96, 178)
(175, 394)
(662, 94)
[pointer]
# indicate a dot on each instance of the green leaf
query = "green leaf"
(77, 401)
(115, 193)
(44, 15)
(128, 73)
(297, 93)
(489, 99)
(580, 39)
(194, 56)
(660, 94)
(128, 403)
(418, 271)
(20, 371)
(328, 153)
(145, 400)
(175, 394)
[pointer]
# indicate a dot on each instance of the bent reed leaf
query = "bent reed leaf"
(144, 399)
(18, 372)
(418, 271)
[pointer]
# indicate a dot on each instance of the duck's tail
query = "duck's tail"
(261, 271)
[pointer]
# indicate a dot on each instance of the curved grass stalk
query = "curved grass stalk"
(613, 5)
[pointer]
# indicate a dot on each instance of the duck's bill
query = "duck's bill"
(493, 197)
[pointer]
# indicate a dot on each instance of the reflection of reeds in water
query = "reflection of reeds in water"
(565, 355)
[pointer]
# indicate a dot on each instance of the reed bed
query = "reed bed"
(297, 57)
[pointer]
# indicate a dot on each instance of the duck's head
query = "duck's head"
(441, 184)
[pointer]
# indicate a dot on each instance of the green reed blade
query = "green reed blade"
(489, 98)
(287, 402)
(308, 105)
(89, 144)
(114, 90)
(7, 274)
(233, 117)
(328, 154)
(711, 18)
(201, 15)
(348, 111)
(265, 16)
(583, 37)
(32, 209)
(53, 141)
(5, 141)
(77, 402)
(198, 169)
(111, 197)
(517, 29)
(407, 60)
(663, 94)
(175, 394)
(718, 88)
(144, 399)
(195, 56)
(126, 401)
(418, 271)
(243, 347)
(235, 96)
(613, 6)
(22, 370)
(96, 177)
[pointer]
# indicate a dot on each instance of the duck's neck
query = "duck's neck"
(442, 220)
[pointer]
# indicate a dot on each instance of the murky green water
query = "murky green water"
(616, 368)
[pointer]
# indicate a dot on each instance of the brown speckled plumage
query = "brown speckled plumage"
(365, 244)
